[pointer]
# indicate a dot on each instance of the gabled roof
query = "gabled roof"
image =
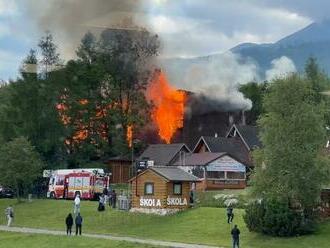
(162, 154)
(248, 134)
(195, 159)
(170, 173)
(232, 146)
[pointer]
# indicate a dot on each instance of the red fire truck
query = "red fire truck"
(88, 185)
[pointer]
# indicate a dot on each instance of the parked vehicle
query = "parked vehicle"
(56, 180)
(6, 192)
(88, 185)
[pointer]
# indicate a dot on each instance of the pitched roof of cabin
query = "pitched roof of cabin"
(162, 154)
(172, 173)
(248, 134)
(231, 146)
(204, 158)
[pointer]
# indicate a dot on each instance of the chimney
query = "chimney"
(231, 119)
(243, 118)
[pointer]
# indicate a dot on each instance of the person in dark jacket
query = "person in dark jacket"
(235, 235)
(230, 214)
(69, 224)
(105, 194)
(78, 222)
(113, 198)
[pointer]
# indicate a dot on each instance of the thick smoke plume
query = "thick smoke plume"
(216, 80)
(69, 20)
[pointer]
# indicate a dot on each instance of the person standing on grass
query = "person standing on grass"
(105, 193)
(101, 203)
(76, 204)
(9, 215)
(110, 198)
(78, 222)
(114, 199)
(230, 214)
(235, 232)
(69, 224)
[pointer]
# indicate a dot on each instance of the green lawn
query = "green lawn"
(200, 225)
(19, 240)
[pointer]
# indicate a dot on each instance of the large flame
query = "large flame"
(129, 136)
(169, 106)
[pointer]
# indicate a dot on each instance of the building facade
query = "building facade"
(161, 190)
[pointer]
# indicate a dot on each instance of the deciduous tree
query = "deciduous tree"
(293, 136)
(20, 165)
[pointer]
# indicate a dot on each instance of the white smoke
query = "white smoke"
(281, 67)
(218, 79)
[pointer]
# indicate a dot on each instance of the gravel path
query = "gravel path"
(110, 237)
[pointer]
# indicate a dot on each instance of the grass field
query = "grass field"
(200, 225)
(18, 240)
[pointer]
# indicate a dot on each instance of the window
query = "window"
(235, 175)
(148, 188)
(177, 188)
(60, 181)
(216, 174)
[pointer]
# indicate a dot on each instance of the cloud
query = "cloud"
(187, 27)
(316, 10)
(280, 68)
(8, 8)
(194, 28)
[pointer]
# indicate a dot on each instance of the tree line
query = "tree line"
(74, 114)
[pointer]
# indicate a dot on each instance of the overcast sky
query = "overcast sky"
(187, 27)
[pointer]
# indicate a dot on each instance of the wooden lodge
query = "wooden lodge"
(161, 190)
(216, 170)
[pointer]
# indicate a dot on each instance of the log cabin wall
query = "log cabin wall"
(160, 189)
(185, 194)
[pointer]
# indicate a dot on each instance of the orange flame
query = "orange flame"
(169, 106)
(129, 135)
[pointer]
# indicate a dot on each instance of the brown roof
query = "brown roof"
(203, 158)
(162, 154)
(171, 173)
(231, 146)
(174, 174)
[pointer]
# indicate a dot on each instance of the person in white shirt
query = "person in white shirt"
(9, 215)
(76, 205)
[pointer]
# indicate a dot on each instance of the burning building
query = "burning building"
(180, 116)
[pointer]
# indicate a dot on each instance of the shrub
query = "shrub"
(254, 214)
(275, 217)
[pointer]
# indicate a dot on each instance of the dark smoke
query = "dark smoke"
(69, 20)
(199, 104)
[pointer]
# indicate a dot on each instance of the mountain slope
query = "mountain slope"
(313, 40)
